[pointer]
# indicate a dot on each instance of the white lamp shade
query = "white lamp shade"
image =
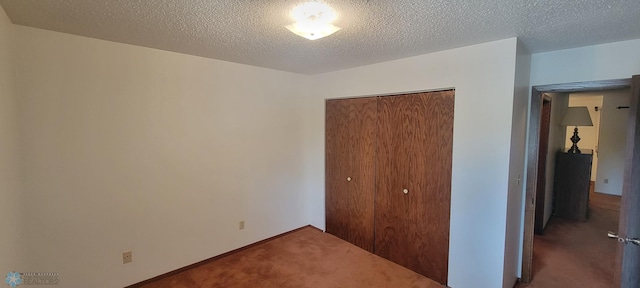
(577, 116)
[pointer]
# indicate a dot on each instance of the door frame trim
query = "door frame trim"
(535, 110)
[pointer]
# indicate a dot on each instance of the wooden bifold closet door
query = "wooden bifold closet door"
(349, 169)
(413, 196)
(388, 177)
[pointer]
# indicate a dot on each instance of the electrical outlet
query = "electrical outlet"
(606, 181)
(127, 257)
(241, 225)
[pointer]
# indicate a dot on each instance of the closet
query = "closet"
(388, 177)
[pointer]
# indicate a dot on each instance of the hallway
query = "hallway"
(578, 254)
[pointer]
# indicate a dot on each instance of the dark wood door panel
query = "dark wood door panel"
(545, 122)
(390, 177)
(350, 157)
(414, 153)
(363, 130)
(429, 198)
(336, 165)
(627, 271)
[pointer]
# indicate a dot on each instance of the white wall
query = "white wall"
(557, 136)
(12, 208)
(130, 148)
(483, 76)
(589, 135)
(513, 241)
(613, 139)
(618, 60)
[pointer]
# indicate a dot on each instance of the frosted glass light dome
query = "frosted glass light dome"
(313, 20)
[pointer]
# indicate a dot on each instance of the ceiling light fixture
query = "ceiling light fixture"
(313, 20)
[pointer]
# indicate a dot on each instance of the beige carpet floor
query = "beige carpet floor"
(578, 254)
(304, 258)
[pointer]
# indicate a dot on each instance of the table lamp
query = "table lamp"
(576, 116)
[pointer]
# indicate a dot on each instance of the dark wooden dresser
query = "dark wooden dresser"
(571, 188)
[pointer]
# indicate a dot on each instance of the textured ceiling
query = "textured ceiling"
(252, 31)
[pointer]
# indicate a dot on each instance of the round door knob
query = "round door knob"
(405, 191)
(348, 179)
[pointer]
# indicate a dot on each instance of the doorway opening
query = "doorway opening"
(541, 166)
